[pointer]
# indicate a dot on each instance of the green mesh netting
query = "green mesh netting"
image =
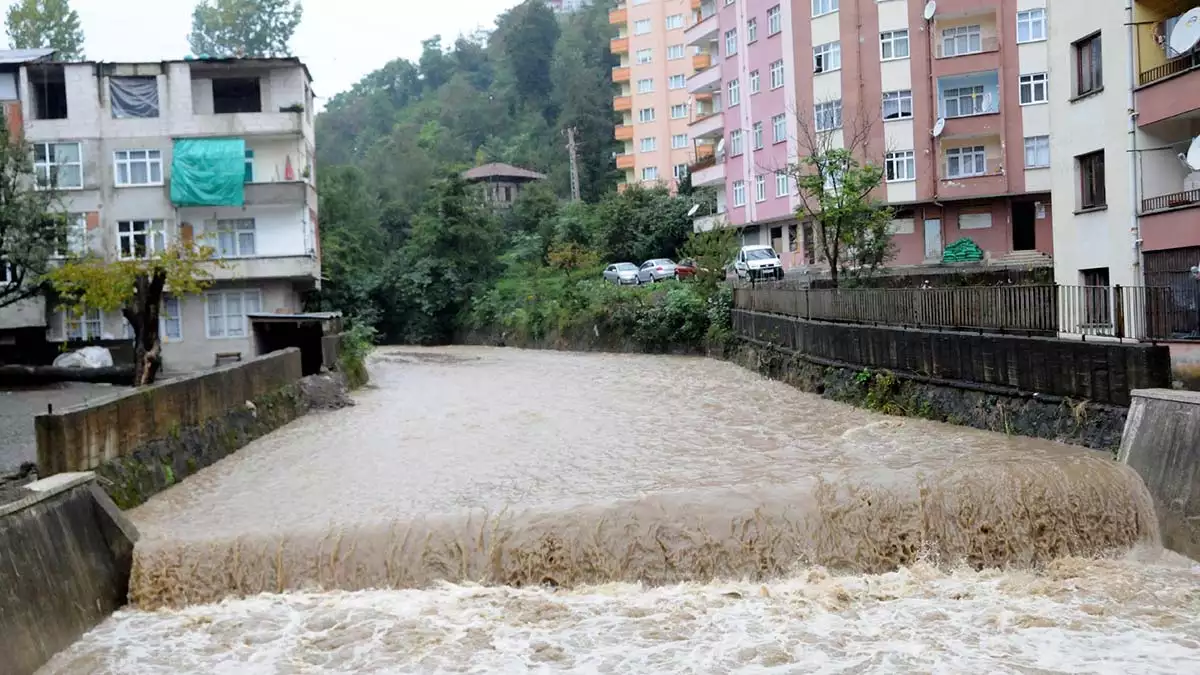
(963, 250)
(209, 172)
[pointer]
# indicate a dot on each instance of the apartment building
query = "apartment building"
(652, 97)
(956, 105)
(1129, 204)
(134, 148)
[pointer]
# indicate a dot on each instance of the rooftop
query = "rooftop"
(499, 170)
(11, 56)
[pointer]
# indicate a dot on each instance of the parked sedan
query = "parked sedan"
(656, 270)
(686, 269)
(621, 274)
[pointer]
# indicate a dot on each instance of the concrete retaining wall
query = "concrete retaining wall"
(65, 558)
(146, 440)
(1162, 443)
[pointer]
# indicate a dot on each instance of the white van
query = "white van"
(755, 263)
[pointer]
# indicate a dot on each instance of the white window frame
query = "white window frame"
(642, 27)
(977, 156)
(902, 101)
(51, 166)
(890, 42)
(679, 141)
(900, 167)
(970, 37)
(645, 85)
(679, 111)
(827, 116)
(151, 160)
(680, 171)
(1029, 84)
(779, 127)
(90, 323)
(1039, 148)
(223, 298)
(166, 319)
(153, 232)
(973, 95)
(752, 30)
(827, 58)
(736, 143)
(646, 115)
(676, 52)
(739, 193)
(755, 82)
(674, 22)
(775, 20)
(234, 229)
(782, 184)
(1034, 21)
(777, 74)
(760, 188)
(649, 173)
(677, 81)
(77, 236)
(756, 132)
(823, 7)
(731, 42)
(648, 144)
(644, 56)
(735, 93)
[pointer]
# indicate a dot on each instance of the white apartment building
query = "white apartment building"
(109, 133)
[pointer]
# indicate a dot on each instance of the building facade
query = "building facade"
(110, 136)
(652, 96)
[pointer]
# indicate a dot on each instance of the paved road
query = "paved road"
(18, 407)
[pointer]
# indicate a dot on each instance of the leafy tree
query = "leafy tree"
(46, 23)
(712, 252)
(32, 228)
(256, 28)
(354, 246)
(525, 36)
(136, 288)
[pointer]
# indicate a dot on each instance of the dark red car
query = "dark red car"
(685, 269)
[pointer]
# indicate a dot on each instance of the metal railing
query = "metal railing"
(1173, 200)
(1130, 312)
(1177, 65)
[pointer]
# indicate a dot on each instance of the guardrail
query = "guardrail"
(1173, 200)
(1175, 66)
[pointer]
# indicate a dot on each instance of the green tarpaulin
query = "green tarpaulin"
(209, 172)
(963, 250)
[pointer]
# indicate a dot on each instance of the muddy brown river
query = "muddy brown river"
(506, 511)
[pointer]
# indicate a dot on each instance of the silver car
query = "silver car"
(656, 270)
(621, 274)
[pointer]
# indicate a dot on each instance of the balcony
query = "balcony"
(705, 30)
(239, 124)
(709, 126)
(625, 161)
(708, 173)
(701, 62)
(618, 16)
(1169, 90)
(267, 267)
(957, 52)
(619, 45)
(282, 193)
(969, 103)
(704, 153)
(1175, 200)
(949, 49)
(988, 180)
(706, 81)
(708, 223)
(623, 132)
(623, 103)
(621, 75)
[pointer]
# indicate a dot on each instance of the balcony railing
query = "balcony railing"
(1171, 201)
(987, 44)
(1175, 66)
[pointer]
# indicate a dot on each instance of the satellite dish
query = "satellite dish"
(1186, 32)
(692, 211)
(939, 126)
(930, 9)
(720, 146)
(1193, 155)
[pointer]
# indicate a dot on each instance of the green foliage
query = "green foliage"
(32, 227)
(46, 23)
(251, 28)
(357, 344)
(712, 252)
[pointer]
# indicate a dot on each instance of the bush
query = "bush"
(357, 343)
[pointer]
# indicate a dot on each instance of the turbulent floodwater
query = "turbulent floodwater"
(775, 531)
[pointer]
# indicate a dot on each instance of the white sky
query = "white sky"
(340, 40)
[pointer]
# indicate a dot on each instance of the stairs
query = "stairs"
(1024, 259)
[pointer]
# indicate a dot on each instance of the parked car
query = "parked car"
(686, 269)
(656, 270)
(755, 263)
(621, 274)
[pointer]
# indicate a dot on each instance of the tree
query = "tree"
(136, 288)
(712, 252)
(46, 23)
(32, 227)
(836, 189)
(526, 36)
(252, 28)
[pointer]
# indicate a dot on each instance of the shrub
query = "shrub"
(357, 343)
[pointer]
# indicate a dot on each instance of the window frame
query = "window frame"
(155, 238)
(899, 98)
(737, 143)
(828, 109)
(235, 228)
(677, 137)
(973, 93)
(758, 136)
(739, 192)
(731, 42)
(1030, 82)
(244, 316)
(53, 167)
(1091, 46)
(774, 20)
(782, 179)
(1093, 163)
(755, 82)
(1034, 16)
(165, 319)
(823, 7)
(682, 51)
(752, 30)
(964, 33)
(827, 52)
(977, 155)
(760, 188)
(893, 38)
(676, 82)
(778, 74)
(1039, 143)
(900, 159)
(650, 173)
(151, 158)
(648, 144)
(776, 126)
(734, 93)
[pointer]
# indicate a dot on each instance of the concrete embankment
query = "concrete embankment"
(65, 557)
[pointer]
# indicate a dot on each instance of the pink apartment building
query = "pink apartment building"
(979, 66)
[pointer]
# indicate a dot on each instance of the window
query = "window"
(1031, 25)
(777, 74)
(739, 193)
(1091, 180)
(782, 183)
(140, 239)
(641, 27)
(820, 7)
(752, 30)
(735, 93)
(900, 166)
(779, 128)
(731, 45)
(758, 135)
(1089, 70)
(679, 141)
(898, 105)
(1037, 152)
(963, 101)
(644, 56)
(170, 321)
(962, 40)
(975, 221)
(236, 95)
(1033, 89)
(755, 82)
(679, 111)
(965, 162)
(827, 57)
(674, 21)
(59, 165)
(133, 97)
(736, 143)
(227, 312)
(774, 21)
(645, 86)
(650, 173)
(649, 144)
(681, 171)
(75, 237)
(675, 52)
(48, 91)
(83, 324)
(828, 115)
(677, 82)
(760, 188)
(646, 115)
(138, 167)
(893, 44)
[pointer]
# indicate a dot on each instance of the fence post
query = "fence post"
(1119, 310)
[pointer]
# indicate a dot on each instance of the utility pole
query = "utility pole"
(572, 148)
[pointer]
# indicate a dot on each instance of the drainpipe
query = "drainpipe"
(1135, 228)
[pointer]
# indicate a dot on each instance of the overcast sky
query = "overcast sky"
(340, 40)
